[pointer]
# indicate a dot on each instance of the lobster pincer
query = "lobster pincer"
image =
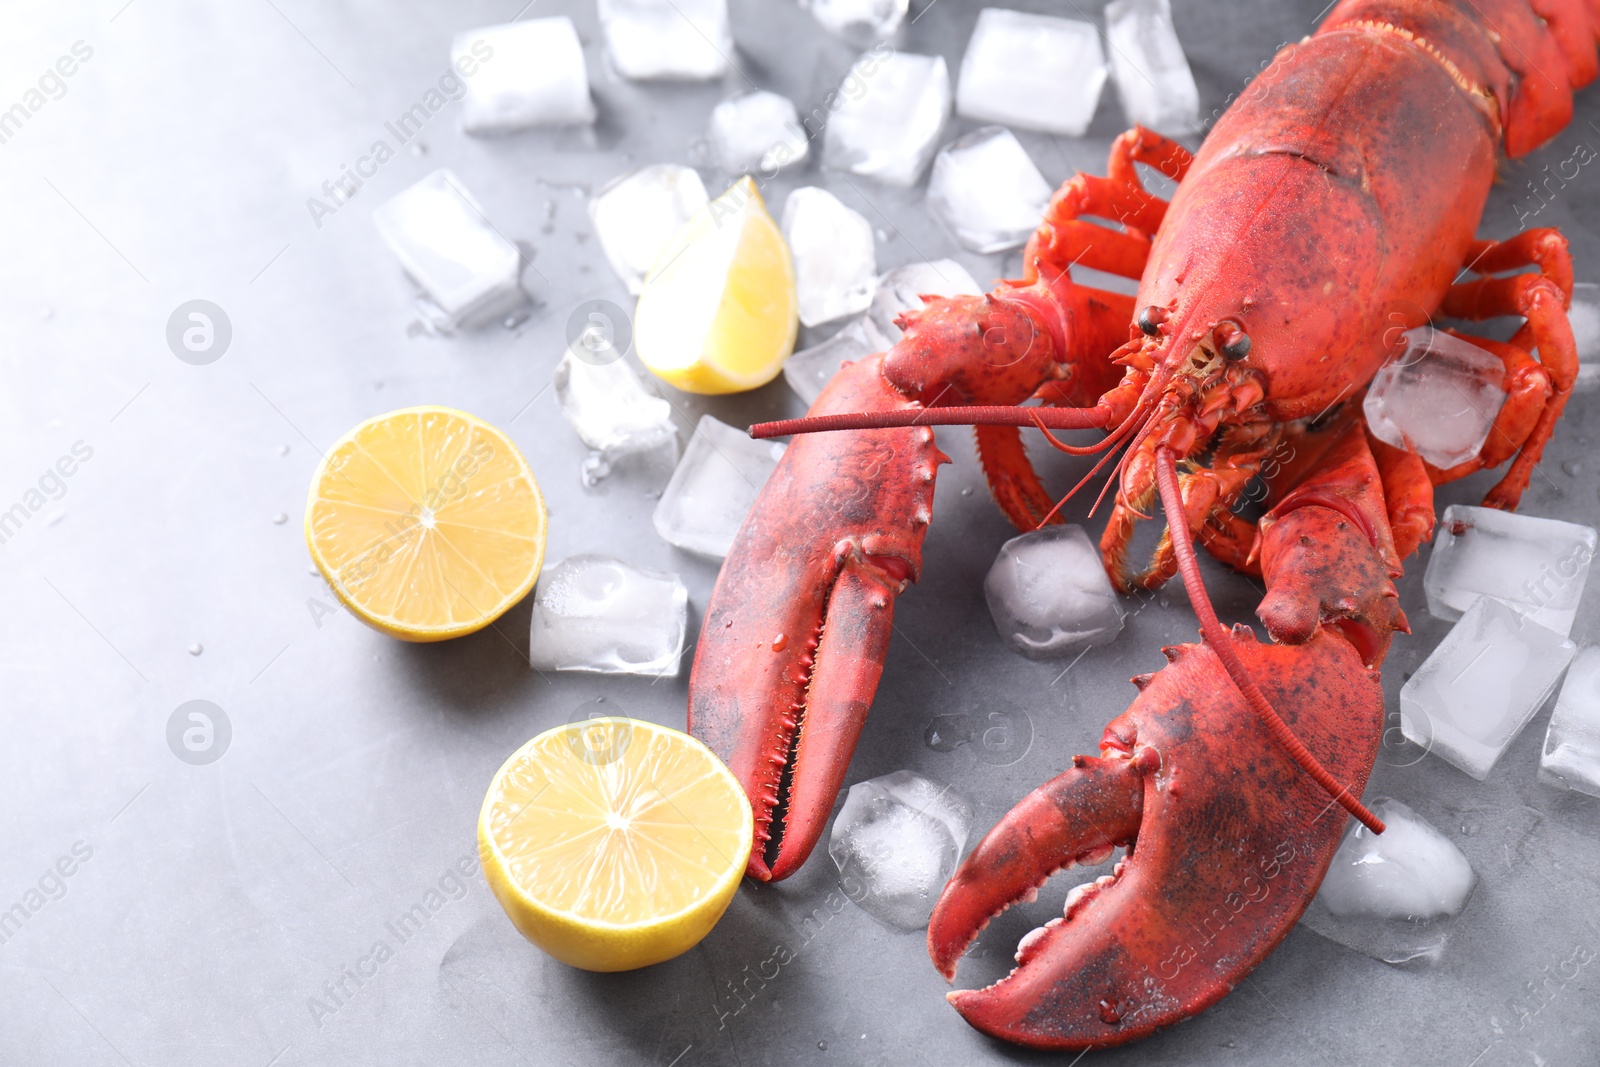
(1218, 865)
(794, 638)
(1227, 841)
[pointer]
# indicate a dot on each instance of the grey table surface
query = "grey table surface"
(218, 903)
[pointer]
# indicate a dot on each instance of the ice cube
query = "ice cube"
(1571, 756)
(595, 613)
(636, 214)
(809, 371)
(1033, 71)
(1049, 594)
(1437, 397)
(986, 190)
(891, 110)
(1480, 687)
(674, 40)
(858, 21)
(523, 74)
(1147, 61)
(1538, 566)
(1391, 896)
(835, 260)
(758, 131)
(903, 288)
(613, 412)
(717, 480)
(1584, 315)
(467, 270)
(896, 842)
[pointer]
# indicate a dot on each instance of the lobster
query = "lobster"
(1332, 205)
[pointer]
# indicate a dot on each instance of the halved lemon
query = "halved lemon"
(426, 522)
(614, 843)
(718, 310)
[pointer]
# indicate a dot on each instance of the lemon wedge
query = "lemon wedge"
(426, 522)
(717, 312)
(614, 843)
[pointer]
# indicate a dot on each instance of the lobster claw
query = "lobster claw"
(1227, 842)
(794, 637)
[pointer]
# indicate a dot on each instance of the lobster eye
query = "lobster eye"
(1151, 318)
(1233, 341)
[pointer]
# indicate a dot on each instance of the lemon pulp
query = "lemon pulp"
(717, 313)
(614, 843)
(426, 522)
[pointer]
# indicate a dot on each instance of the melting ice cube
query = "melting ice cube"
(896, 842)
(467, 270)
(1538, 566)
(986, 190)
(637, 214)
(612, 411)
(523, 74)
(1584, 315)
(1049, 594)
(1032, 71)
(1437, 397)
(1392, 895)
(757, 131)
(903, 288)
(809, 371)
(595, 613)
(1479, 688)
(858, 21)
(717, 480)
(677, 40)
(835, 260)
(1147, 60)
(892, 109)
(1571, 756)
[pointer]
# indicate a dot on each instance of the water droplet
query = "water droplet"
(283, 450)
(419, 149)
(1572, 467)
(55, 517)
(822, 1045)
(1109, 1014)
(515, 319)
(946, 733)
(780, 643)
(279, 519)
(967, 491)
(47, 313)
(312, 570)
(196, 648)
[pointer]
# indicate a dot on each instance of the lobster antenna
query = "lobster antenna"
(1073, 491)
(956, 415)
(1116, 475)
(1156, 384)
(1222, 644)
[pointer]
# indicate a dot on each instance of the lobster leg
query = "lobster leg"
(1208, 493)
(1409, 490)
(1537, 392)
(1219, 865)
(1097, 319)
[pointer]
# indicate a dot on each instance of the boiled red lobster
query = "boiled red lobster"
(1332, 206)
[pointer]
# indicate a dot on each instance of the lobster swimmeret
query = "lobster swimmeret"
(1334, 204)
